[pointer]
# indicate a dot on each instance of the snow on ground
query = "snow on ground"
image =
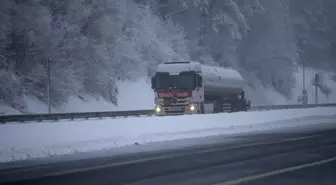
(6, 110)
(136, 95)
(266, 96)
(133, 95)
(34, 140)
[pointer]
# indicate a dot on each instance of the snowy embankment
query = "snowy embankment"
(33, 140)
(144, 99)
(274, 97)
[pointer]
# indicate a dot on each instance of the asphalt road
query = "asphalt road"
(296, 158)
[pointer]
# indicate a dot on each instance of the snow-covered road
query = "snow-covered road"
(22, 141)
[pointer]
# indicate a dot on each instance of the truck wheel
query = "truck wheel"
(202, 108)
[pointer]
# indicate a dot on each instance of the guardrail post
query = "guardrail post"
(98, 115)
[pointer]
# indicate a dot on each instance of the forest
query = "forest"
(90, 44)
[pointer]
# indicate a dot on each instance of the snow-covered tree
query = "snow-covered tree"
(89, 45)
(269, 51)
(92, 44)
(9, 86)
(23, 53)
(4, 30)
(314, 24)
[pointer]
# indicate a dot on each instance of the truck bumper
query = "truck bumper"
(176, 110)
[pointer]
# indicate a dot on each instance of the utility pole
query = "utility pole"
(48, 86)
(304, 77)
(304, 90)
(316, 90)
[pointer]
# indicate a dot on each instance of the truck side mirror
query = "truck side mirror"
(153, 82)
(200, 81)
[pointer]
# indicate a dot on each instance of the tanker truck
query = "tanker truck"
(185, 87)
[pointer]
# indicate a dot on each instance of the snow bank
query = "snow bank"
(22, 141)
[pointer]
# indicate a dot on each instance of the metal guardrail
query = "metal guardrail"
(132, 113)
(294, 106)
(72, 116)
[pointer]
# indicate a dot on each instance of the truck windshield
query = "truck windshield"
(187, 82)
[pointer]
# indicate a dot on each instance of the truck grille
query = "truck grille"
(175, 105)
(175, 101)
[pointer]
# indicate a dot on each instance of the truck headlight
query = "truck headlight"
(192, 107)
(158, 109)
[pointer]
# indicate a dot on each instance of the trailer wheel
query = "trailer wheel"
(215, 107)
(233, 108)
(218, 106)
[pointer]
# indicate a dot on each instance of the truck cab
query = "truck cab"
(177, 90)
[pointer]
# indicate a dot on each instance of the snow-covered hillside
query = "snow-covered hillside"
(268, 95)
(90, 45)
(133, 95)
